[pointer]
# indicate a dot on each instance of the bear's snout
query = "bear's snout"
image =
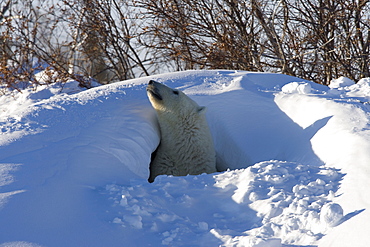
(152, 88)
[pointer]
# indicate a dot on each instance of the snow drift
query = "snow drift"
(74, 166)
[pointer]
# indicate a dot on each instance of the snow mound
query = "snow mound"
(14, 105)
(360, 90)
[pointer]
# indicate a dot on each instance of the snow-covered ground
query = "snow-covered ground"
(295, 156)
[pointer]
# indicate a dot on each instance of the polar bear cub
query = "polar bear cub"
(186, 145)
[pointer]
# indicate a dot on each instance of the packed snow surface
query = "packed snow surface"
(294, 161)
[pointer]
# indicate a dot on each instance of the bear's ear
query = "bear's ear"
(202, 109)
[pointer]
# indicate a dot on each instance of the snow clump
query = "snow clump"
(297, 87)
(341, 82)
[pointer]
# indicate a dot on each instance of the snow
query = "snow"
(294, 155)
(341, 82)
(297, 87)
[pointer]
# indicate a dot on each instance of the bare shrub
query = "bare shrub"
(316, 40)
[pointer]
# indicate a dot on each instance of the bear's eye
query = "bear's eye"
(175, 92)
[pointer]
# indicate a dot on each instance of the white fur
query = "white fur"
(186, 145)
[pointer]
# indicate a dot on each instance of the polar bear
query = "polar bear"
(186, 145)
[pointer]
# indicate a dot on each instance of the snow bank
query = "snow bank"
(341, 142)
(74, 167)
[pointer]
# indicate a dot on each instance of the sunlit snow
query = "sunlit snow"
(294, 160)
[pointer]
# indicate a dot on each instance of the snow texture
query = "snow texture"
(74, 165)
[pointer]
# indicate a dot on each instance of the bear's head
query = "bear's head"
(166, 100)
